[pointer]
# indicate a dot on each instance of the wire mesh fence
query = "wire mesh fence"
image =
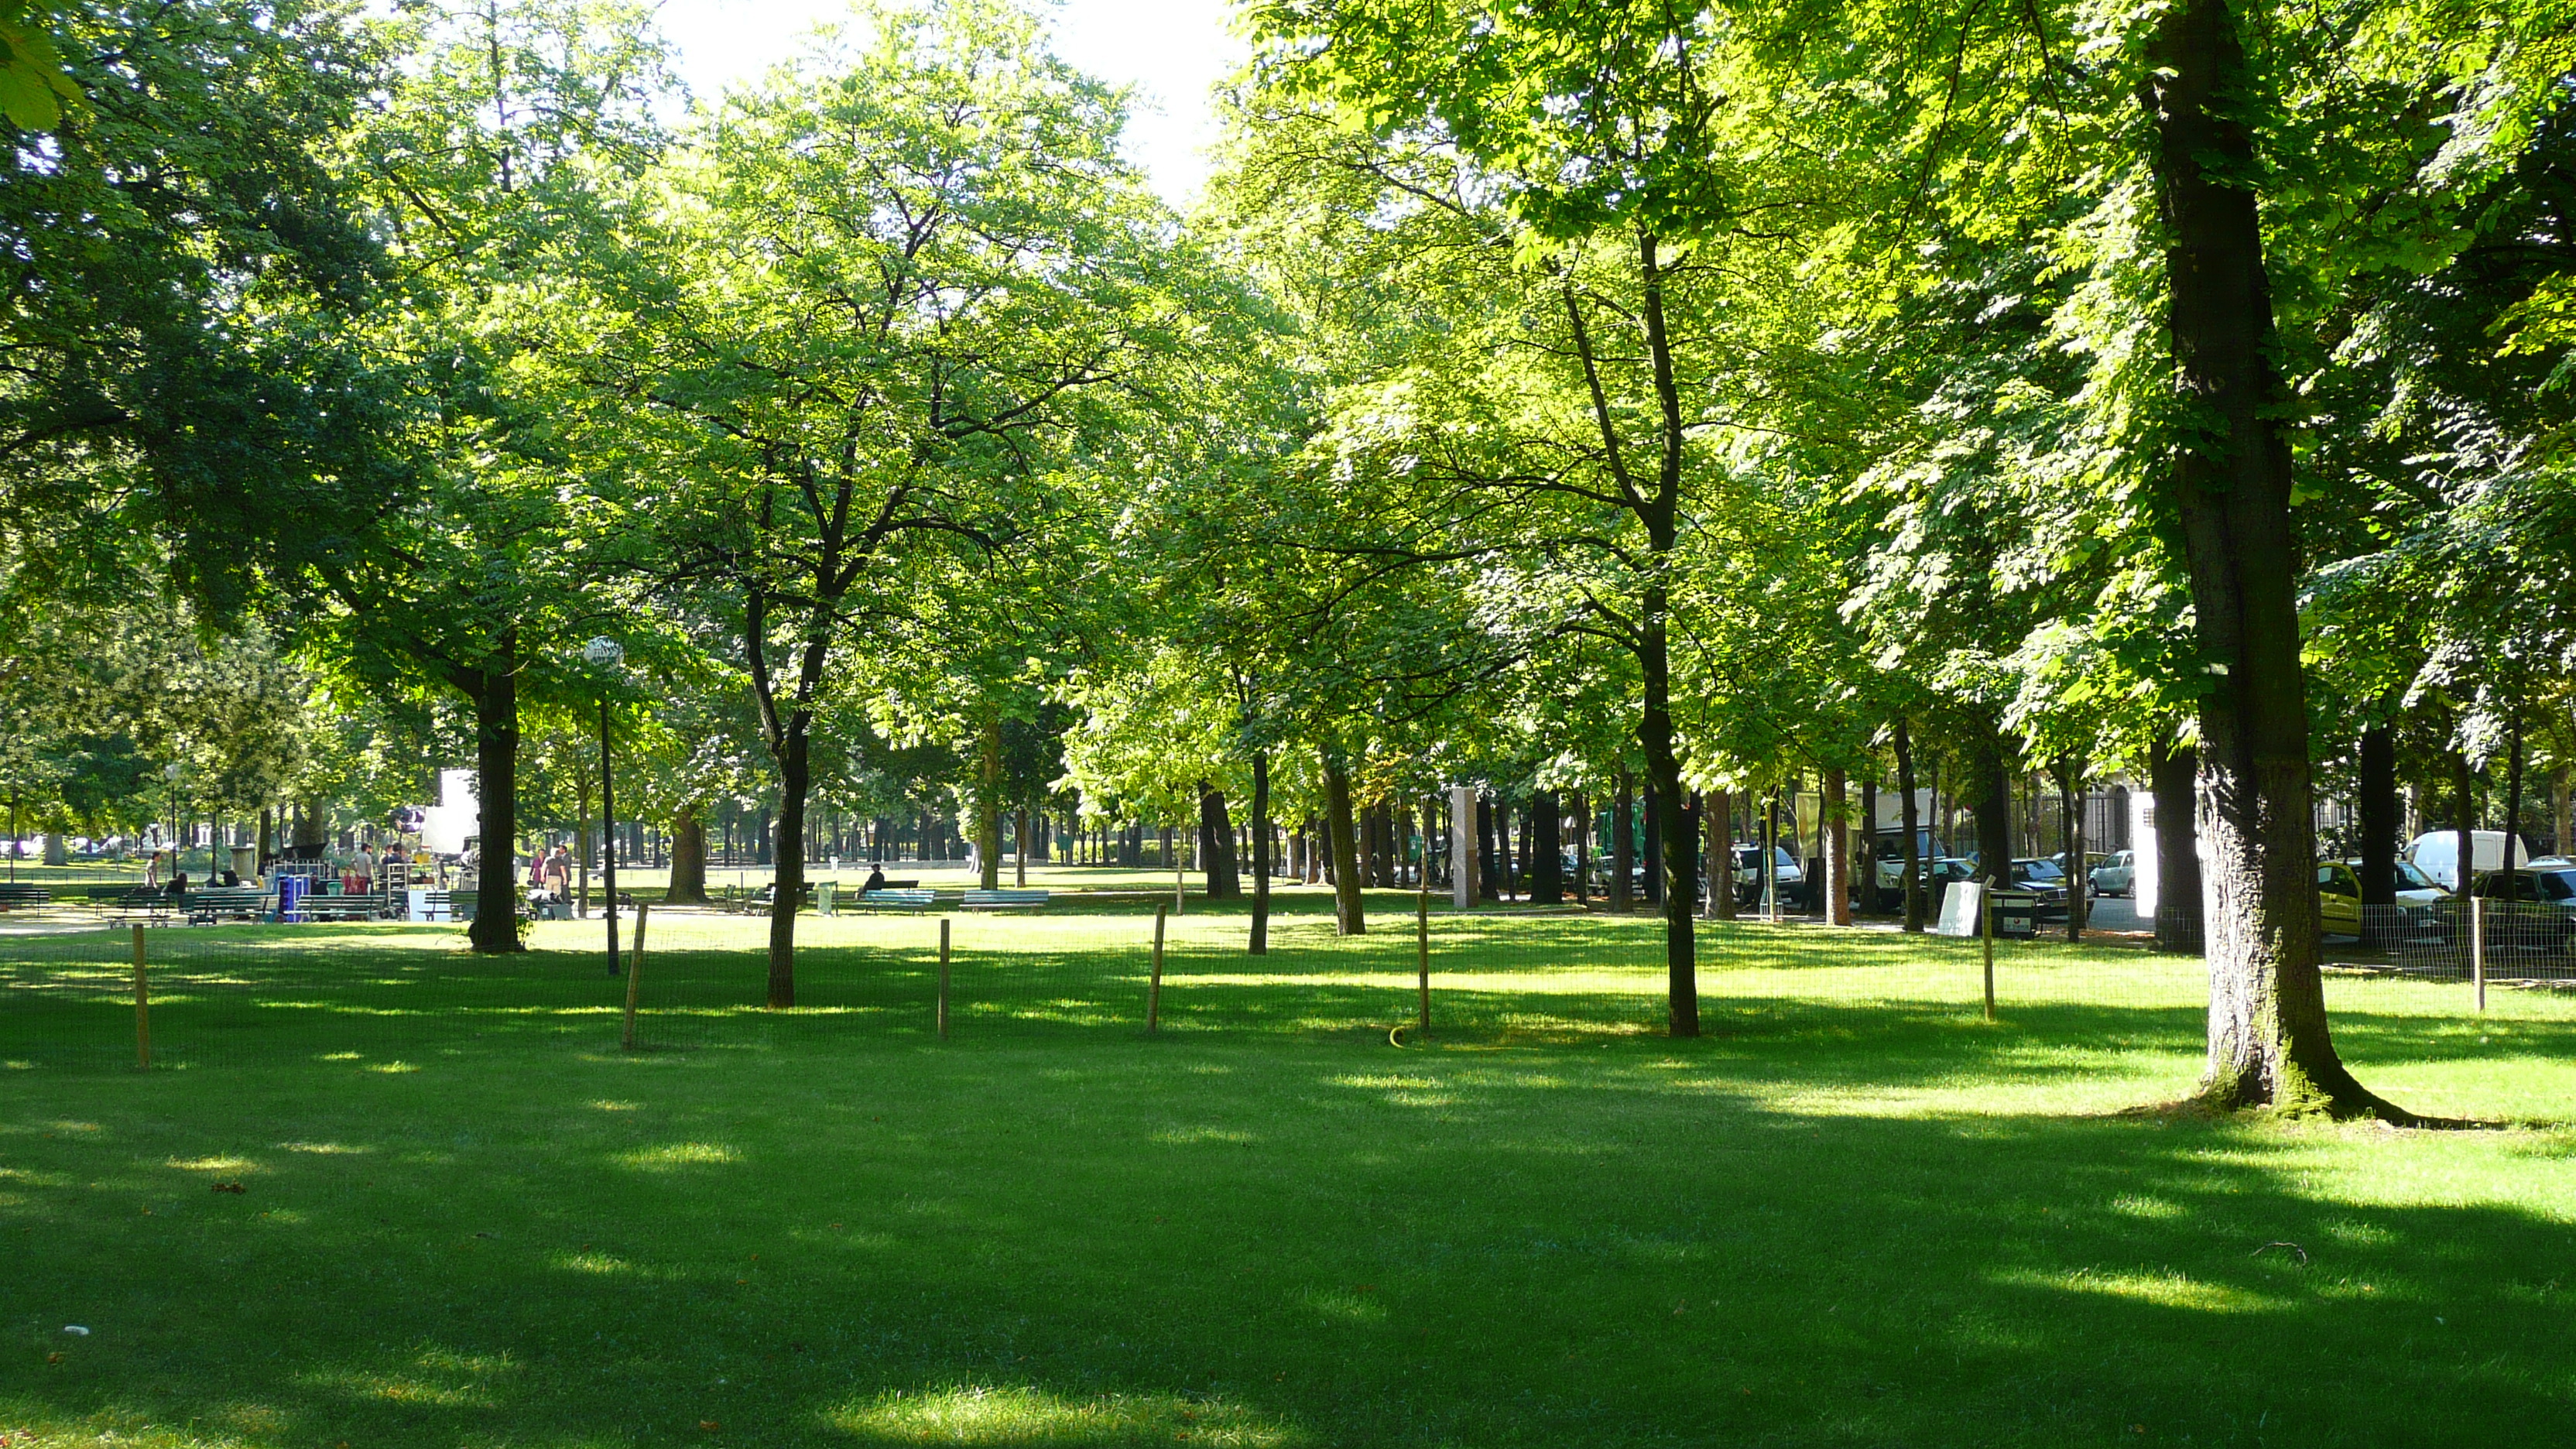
(389, 996)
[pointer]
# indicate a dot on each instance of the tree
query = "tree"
(874, 296)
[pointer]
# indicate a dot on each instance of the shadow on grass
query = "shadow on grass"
(1083, 1243)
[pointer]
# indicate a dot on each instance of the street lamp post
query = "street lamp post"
(607, 654)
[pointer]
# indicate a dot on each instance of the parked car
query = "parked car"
(2338, 900)
(2046, 880)
(1791, 878)
(2117, 875)
(1937, 875)
(2414, 888)
(2437, 854)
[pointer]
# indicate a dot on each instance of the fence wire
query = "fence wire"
(389, 996)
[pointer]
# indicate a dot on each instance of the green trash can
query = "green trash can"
(823, 893)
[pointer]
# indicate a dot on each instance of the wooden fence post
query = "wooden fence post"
(2478, 947)
(635, 973)
(1986, 930)
(1422, 950)
(943, 978)
(1154, 986)
(142, 1008)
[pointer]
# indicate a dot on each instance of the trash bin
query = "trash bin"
(2016, 915)
(823, 894)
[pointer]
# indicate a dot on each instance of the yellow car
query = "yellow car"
(2338, 900)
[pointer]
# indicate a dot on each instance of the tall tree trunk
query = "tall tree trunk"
(1348, 918)
(1911, 813)
(1623, 845)
(2070, 809)
(2378, 772)
(2269, 1043)
(1837, 848)
(2174, 776)
(1489, 870)
(1721, 854)
(1020, 855)
(1993, 810)
(1547, 860)
(787, 865)
(688, 859)
(988, 804)
(1261, 843)
(2465, 796)
(2512, 797)
(1865, 851)
(1216, 846)
(1583, 848)
(1655, 881)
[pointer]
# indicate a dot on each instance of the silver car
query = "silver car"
(2117, 875)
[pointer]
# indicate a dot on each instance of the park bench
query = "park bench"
(1004, 900)
(759, 901)
(900, 899)
(17, 894)
(209, 904)
(150, 902)
(363, 907)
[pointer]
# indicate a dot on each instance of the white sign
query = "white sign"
(1961, 905)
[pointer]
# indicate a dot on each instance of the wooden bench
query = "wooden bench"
(209, 904)
(16, 894)
(900, 899)
(1004, 900)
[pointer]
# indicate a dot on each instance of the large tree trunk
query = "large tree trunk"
(2268, 1039)
(787, 872)
(495, 692)
(1260, 852)
(988, 805)
(1216, 846)
(1912, 816)
(1348, 918)
(1546, 848)
(2174, 776)
(2378, 771)
(688, 859)
(1993, 810)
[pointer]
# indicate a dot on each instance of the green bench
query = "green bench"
(900, 899)
(1004, 900)
(209, 904)
(363, 907)
(17, 894)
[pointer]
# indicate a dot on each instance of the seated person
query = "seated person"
(876, 879)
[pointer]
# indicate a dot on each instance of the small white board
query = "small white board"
(1961, 905)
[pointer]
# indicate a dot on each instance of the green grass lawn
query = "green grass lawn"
(1855, 1214)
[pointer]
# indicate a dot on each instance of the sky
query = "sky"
(1170, 51)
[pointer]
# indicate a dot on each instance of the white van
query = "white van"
(2437, 854)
